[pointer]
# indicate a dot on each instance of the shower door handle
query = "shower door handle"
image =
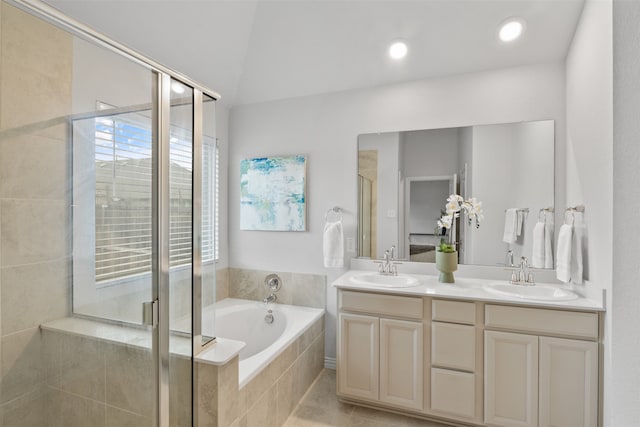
(150, 313)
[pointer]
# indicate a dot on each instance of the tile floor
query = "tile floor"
(320, 407)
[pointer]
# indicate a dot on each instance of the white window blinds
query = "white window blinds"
(123, 197)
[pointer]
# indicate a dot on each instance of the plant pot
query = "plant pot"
(446, 263)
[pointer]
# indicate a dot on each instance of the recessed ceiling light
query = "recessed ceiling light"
(177, 87)
(511, 29)
(398, 50)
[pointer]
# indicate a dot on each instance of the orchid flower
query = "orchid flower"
(455, 205)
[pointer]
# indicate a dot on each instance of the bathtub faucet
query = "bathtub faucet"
(272, 298)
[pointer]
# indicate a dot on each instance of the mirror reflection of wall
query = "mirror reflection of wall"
(506, 166)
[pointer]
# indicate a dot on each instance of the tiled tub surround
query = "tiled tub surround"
(297, 289)
(104, 372)
(270, 397)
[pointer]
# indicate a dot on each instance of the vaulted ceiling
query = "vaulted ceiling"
(256, 51)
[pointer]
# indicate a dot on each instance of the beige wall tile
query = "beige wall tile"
(242, 401)
(207, 394)
(309, 336)
(309, 365)
(33, 294)
(244, 284)
(69, 410)
(286, 399)
(228, 393)
(81, 367)
(297, 289)
(309, 290)
(129, 373)
(257, 387)
(222, 284)
(33, 166)
(22, 364)
(33, 231)
(36, 70)
(26, 411)
(285, 360)
(119, 418)
(264, 412)
(180, 392)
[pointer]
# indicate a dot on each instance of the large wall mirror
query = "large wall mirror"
(404, 179)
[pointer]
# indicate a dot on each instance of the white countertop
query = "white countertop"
(469, 289)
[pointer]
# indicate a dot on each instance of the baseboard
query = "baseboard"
(330, 363)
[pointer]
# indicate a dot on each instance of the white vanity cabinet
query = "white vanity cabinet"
(535, 378)
(482, 363)
(380, 342)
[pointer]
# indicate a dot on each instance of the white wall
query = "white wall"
(589, 181)
(430, 152)
(325, 128)
(623, 386)
(388, 147)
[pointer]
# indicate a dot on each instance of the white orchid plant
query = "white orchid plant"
(456, 204)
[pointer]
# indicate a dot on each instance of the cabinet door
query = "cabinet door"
(511, 379)
(568, 383)
(401, 363)
(358, 353)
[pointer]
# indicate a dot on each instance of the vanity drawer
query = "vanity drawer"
(453, 393)
(453, 346)
(386, 305)
(542, 321)
(453, 311)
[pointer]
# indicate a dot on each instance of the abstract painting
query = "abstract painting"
(273, 194)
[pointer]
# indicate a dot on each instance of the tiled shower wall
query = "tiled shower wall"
(35, 83)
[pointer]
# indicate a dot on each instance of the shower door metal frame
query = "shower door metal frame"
(161, 106)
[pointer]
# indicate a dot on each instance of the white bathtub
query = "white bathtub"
(244, 320)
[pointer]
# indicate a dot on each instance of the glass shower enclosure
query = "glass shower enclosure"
(107, 227)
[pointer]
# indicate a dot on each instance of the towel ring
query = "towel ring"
(572, 216)
(333, 211)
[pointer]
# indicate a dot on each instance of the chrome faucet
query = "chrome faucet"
(272, 298)
(272, 282)
(388, 264)
(522, 276)
(510, 258)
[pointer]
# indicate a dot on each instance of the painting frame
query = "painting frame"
(273, 193)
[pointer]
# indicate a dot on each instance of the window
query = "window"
(123, 197)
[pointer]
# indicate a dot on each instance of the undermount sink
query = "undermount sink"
(536, 292)
(399, 281)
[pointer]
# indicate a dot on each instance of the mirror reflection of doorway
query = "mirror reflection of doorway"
(365, 246)
(424, 205)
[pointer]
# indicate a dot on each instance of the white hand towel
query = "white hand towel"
(538, 250)
(519, 222)
(333, 245)
(548, 245)
(563, 254)
(576, 253)
(510, 222)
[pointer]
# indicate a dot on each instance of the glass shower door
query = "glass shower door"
(98, 197)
